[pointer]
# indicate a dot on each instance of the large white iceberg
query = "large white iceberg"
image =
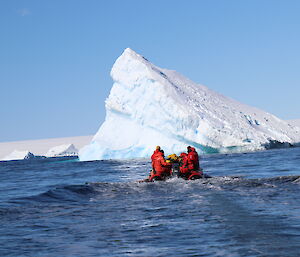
(150, 106)
(62, 150)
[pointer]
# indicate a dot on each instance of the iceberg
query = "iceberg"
(295, 122)
(18, 155)
(149, 106)
(62, 150)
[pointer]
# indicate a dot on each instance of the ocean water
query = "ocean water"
(250, 207)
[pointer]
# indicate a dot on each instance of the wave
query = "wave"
(9, 211)
(254, 181)
(67, 193)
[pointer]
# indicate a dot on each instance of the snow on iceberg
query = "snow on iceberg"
(295, 122)
(62, 150)
(150, 106)
(18, 155)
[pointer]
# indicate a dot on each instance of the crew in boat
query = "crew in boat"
(183, 165)
(189, 164)
(157, 150)
(192, 159)
(160, 168)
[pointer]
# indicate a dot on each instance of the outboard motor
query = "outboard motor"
(175, 169)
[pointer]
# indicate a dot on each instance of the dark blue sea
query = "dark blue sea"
(250, 207)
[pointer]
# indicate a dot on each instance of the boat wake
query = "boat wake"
(120, 190)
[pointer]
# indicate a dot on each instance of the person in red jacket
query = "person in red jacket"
(161, 169)
(157, 150)
(183, 165)
(192, 159)
(168, 167)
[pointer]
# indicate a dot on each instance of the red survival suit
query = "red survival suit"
(184, 170)
(154, 153)
(189, 168)
(193, 159)
(161, 168)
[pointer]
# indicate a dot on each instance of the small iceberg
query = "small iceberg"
(62, 151)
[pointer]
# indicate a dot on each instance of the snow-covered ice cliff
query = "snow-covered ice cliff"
(150, 106)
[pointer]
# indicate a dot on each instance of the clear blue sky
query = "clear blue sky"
(56, 56)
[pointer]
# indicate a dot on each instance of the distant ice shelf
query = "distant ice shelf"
(65, 150)
(18, 155)
(149, 106)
